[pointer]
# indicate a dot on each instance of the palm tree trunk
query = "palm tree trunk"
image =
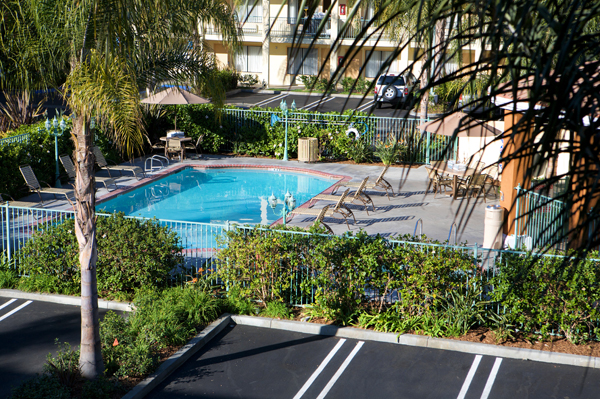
(90, 359)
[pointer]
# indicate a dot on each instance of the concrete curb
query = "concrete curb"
(421, 341)
(176, 360)
(64, 299)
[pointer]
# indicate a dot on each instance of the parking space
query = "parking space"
(28, 330)
(315, 102)
(252, 362)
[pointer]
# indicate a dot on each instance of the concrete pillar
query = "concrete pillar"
(266, 42)
(515, 171)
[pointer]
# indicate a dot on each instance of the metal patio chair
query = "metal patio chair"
(34, 185)
(69, 166)
(102, 163)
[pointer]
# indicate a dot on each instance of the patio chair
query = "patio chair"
(174, 147)
(319, 213)
(69, 166)
(34, 185)
(380, 182)
(359, 195)
(4, 198)
(190, 145)
(475, 183)
(441, 181)
(339, 208)
(102, 163)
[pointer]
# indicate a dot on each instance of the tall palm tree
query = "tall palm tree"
(102, 52)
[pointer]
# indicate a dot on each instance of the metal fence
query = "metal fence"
(20, 138)
(422, 147)
(540, 221)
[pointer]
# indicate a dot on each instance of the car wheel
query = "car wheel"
(390, 93)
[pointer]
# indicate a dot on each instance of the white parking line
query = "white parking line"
(491, 379)
(317, 103)
(318, 371)
(7, 303)
(15, 310)
(365, 106)
(337, 375)
(470, 375)
(268, 100)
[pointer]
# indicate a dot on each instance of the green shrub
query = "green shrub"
(546, 293)
(314, 83)
(132, 253)
(41, 387)
(360, 151)
(248, 80)
(390, 152)
(64, 366)
(359, 85)
(276, 309)
(164, 318)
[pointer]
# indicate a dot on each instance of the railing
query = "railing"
(541, 218)
(286, 27)
(248, 28)
(352, 29)
(21, 138)
(421, 148)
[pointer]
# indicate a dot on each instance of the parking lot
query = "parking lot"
(28, 330)
(253, 362)
(315, 102)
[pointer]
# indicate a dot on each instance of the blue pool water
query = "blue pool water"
(216, 195)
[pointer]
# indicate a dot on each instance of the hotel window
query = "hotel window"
(376, 61)
(249, 59)
(250, 12)
(301, 61)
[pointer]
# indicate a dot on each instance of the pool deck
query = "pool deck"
(392, 217)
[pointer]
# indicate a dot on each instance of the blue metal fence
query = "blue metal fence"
(541, 219)
(20, 138)
(421, 147)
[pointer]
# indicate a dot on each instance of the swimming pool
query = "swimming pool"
(216, 195)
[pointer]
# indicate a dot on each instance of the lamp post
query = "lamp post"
(54, 132)
(289, 203)
(285, 111)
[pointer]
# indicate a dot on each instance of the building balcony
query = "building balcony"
(247, 29)
(285, 28)
(354, 29)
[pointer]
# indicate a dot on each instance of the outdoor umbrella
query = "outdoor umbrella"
(175, 96)
(467, 126)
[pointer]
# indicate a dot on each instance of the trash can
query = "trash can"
(308, 149)
(492, 227)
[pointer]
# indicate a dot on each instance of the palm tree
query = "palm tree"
(543, 56)
(102, 53)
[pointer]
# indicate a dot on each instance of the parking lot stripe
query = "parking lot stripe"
(365, 106)
(338, 373)
(319, 369)
(491, 379)
(467, 383)
(15, 310)
(268, 100)
(317, 103)
(7, 303)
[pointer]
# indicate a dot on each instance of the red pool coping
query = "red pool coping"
(147, 180)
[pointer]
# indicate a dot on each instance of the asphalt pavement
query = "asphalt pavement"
(315, 102)
(254, 362)
(28, 331)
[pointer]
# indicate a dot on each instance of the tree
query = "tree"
(543, 55)
(102, 53)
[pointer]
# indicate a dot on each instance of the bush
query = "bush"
(547, 293)
(132, 253)
(248, 80)
(170, 317)
(314, 83)
(359, 85)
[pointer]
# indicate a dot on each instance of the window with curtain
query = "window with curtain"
(375, 63)
(250, 11)
(249, 59)
(302, 61)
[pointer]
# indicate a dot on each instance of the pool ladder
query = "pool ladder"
(157, 158)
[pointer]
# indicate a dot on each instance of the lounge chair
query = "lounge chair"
(67, 163)
(339, 208)
(319, 213)
(4, 198)
(102, 163)
(359, 195)
(34, 185)
(379, 183)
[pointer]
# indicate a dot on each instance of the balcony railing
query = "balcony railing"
(284, 27)
(246, 29)
(354, 28)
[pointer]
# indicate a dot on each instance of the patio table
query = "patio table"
(181, 139)
(442, 168)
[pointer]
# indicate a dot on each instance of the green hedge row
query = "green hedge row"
(253, 135)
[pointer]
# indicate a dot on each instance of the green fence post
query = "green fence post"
(428, 149)
(517, 213)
